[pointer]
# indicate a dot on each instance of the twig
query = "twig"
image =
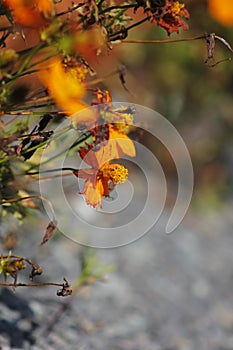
(121, 7)
(39, 284)
(161, 41)
(50, 171)
(125, 30)
(13, 200)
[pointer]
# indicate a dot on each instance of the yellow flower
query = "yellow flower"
(115, 172)
(175, 9)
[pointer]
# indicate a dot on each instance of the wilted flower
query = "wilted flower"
(166, 13)
(10, 267)
(172, 18)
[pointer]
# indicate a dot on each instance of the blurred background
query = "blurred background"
(168, 292)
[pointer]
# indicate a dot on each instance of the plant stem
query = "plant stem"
(13, 200)
(40, 284)
(128, 28)
(50, 171)
(69, 10)
(122, 7)
(161, 41)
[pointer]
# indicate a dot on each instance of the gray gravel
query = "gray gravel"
(168, 292)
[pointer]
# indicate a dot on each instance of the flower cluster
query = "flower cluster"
(107, 125)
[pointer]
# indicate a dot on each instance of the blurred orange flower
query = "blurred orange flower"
(222, 11)
(31, 13)
(67, 90)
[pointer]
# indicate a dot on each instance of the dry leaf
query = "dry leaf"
(52, 226)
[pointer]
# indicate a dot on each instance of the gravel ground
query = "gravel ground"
(168, 292)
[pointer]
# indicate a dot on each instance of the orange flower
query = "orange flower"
(102, 174)
(31, 13)
(117, 145)
(222, 11)
(99, 183)
(67, 90)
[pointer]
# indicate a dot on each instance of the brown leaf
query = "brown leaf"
(52, 226)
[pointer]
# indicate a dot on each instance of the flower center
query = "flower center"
(175, 9)
(115, 172)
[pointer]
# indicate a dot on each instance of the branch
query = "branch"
(13, 200)
(162, 41)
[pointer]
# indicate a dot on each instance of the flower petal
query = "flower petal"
(94, 193)
(125, 144)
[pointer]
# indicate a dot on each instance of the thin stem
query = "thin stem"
(78, 142)
(122, 7)
(4, 29)
(49, 177)
(42, 60)
(4, 37)
(40, 284)
(6, 159)
(32, 52)
(9, 122)
(22, 74)
(161, 41)
(13, 200)
(100, 80)
(70, 10)
(128, 28)
(50, 171)
(27, 109)
(24, 67)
